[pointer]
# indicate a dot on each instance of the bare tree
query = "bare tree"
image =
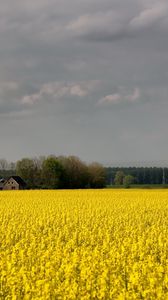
(3, 164)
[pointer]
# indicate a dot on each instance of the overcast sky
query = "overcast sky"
(84, 77)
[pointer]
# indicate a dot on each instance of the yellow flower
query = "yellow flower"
(84, 244)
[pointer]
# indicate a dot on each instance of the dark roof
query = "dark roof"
(2, 180)
(18, 179)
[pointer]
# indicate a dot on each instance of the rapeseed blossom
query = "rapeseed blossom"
(84, 244)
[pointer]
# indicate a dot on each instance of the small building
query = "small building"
(14, 183)
(2, 180)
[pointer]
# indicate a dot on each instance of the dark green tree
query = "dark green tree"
(75, 172)
(52, 173)
(119, 177)
(97, 175)
(26, 169)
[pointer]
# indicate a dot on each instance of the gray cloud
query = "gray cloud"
(156, 12)
(120, 97)
(91, 73)
(59, 90)
(114, 24)
(100, 25)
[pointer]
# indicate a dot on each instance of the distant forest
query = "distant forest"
(141, 175)
(70, 172)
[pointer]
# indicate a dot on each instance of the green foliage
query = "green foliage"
(60, 172)
(142, 175)
(75, 172)
(52, 171)
(70, 172)
(26, 169)
(119, 177)
(128, 180)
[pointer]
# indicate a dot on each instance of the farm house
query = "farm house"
(14, 183)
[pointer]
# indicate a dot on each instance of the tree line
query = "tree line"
(56, 172)
(70, 173)
(140, 175)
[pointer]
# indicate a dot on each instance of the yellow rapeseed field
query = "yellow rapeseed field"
(81, 245)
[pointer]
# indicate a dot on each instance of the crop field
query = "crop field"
(84, 244)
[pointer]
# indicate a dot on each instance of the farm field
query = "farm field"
(84, 244)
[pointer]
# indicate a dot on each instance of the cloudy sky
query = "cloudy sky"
(84, 77)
